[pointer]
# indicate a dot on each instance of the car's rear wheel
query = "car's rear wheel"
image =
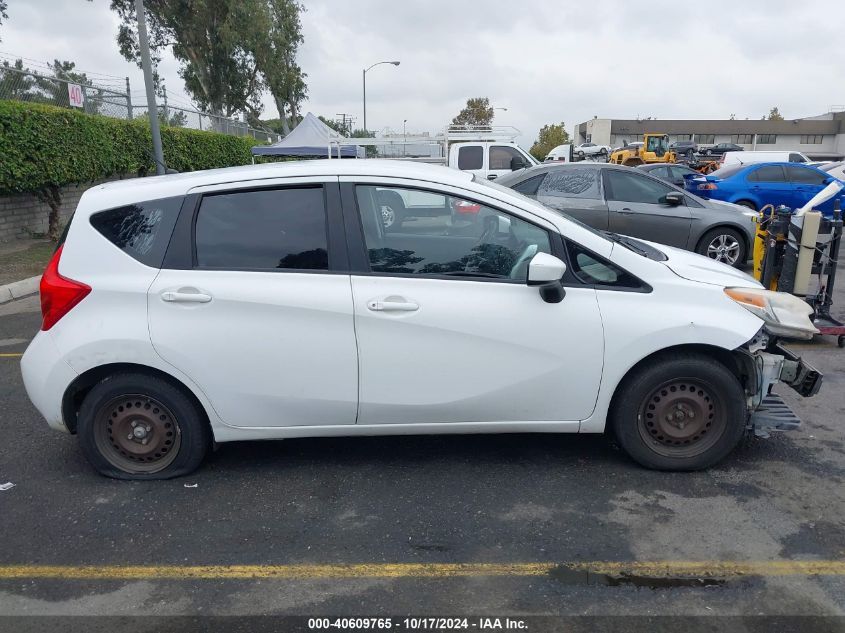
(682, 411)
(135, 426)
(724, 245)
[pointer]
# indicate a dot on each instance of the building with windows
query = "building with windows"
(819, 137)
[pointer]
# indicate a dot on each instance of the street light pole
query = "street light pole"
(152, 110)
(364, 76)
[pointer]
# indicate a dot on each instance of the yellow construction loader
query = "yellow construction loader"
(654, 149)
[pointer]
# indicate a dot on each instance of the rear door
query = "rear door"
(254, 304)
(769, 185)
(576, 191)
(636, 207)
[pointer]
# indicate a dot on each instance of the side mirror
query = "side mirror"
(546, 271)
(517, 163)
(673, 199)
(827, 180)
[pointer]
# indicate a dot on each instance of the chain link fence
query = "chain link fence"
(25, 85)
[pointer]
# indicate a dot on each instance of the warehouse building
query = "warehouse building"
(820, 137)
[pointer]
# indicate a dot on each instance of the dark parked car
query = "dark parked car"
(670, 173)
(687, 149)
(721, 148)
(631, 202)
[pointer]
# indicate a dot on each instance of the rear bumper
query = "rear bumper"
(46, 376)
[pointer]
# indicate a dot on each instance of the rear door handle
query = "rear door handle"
(381, 305)
(625, 211)
(185, 297)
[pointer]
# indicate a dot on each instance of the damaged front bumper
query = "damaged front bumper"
(766, 364)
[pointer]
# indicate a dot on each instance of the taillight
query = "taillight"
(464, 206)
(707, 186)
(58, 294)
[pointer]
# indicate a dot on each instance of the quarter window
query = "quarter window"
(591, 269)
(459, 239)
(529, 187)
(471, 157)
(140, 230)
(265, 230)
(624, 186)
(574, 182)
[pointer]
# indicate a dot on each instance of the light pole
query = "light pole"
(365, 88)
(146, 65)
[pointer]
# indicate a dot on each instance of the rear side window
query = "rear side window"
(471, 157)
(574, 182)
(264, 230)
(140, 230)
(769, 173)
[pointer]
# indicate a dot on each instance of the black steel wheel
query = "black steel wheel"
(679, 411)
(138, 426)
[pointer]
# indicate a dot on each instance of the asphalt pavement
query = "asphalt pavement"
(511, 524)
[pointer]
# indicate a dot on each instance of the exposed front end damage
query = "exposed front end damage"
(762, 364)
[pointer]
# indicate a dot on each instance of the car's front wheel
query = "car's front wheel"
(680, 411)
(724, 245)
(136, 426)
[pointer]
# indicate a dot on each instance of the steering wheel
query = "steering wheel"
(520, 268)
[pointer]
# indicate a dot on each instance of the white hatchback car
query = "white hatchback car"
(268, 302)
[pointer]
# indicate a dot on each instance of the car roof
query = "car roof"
(138, 189)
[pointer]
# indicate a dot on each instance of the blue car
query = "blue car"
(759, 184)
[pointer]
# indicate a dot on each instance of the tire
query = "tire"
(707, 152)
(603, 151)
(706, 394)
(177, 434)
(747, 204)
(725, 245)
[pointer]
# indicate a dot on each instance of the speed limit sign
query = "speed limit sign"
(75, 95)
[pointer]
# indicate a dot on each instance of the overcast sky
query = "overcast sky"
(545, 61)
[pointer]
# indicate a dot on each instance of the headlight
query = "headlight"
(784, 314)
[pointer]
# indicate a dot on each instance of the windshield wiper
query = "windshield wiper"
(624, 241)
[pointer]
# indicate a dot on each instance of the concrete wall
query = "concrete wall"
(22, 215)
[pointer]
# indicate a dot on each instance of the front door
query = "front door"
(259, 320)
(637, 208)
(449, 331)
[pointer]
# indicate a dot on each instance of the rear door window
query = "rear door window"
(141, 230)
(471, 157)
(269, 229)
(574, 182)
(768, 173)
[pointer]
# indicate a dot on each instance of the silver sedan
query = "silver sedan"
(630, 202)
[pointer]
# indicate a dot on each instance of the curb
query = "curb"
(19, 289)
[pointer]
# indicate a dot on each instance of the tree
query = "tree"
(775, 115)
(172, 118)
(3, 14)
(477, 111)
(370, 151)
(550, 136)
(230, 51)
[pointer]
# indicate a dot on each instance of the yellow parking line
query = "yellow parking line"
(656, 569)
(11, 355)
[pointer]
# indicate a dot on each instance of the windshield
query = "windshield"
(513, 192)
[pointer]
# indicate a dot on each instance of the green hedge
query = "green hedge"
(42, 146)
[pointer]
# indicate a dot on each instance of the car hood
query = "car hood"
(703, 269)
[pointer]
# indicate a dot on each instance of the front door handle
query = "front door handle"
(384, 305)
(625, 211)
(491, 177)
(173, 296)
